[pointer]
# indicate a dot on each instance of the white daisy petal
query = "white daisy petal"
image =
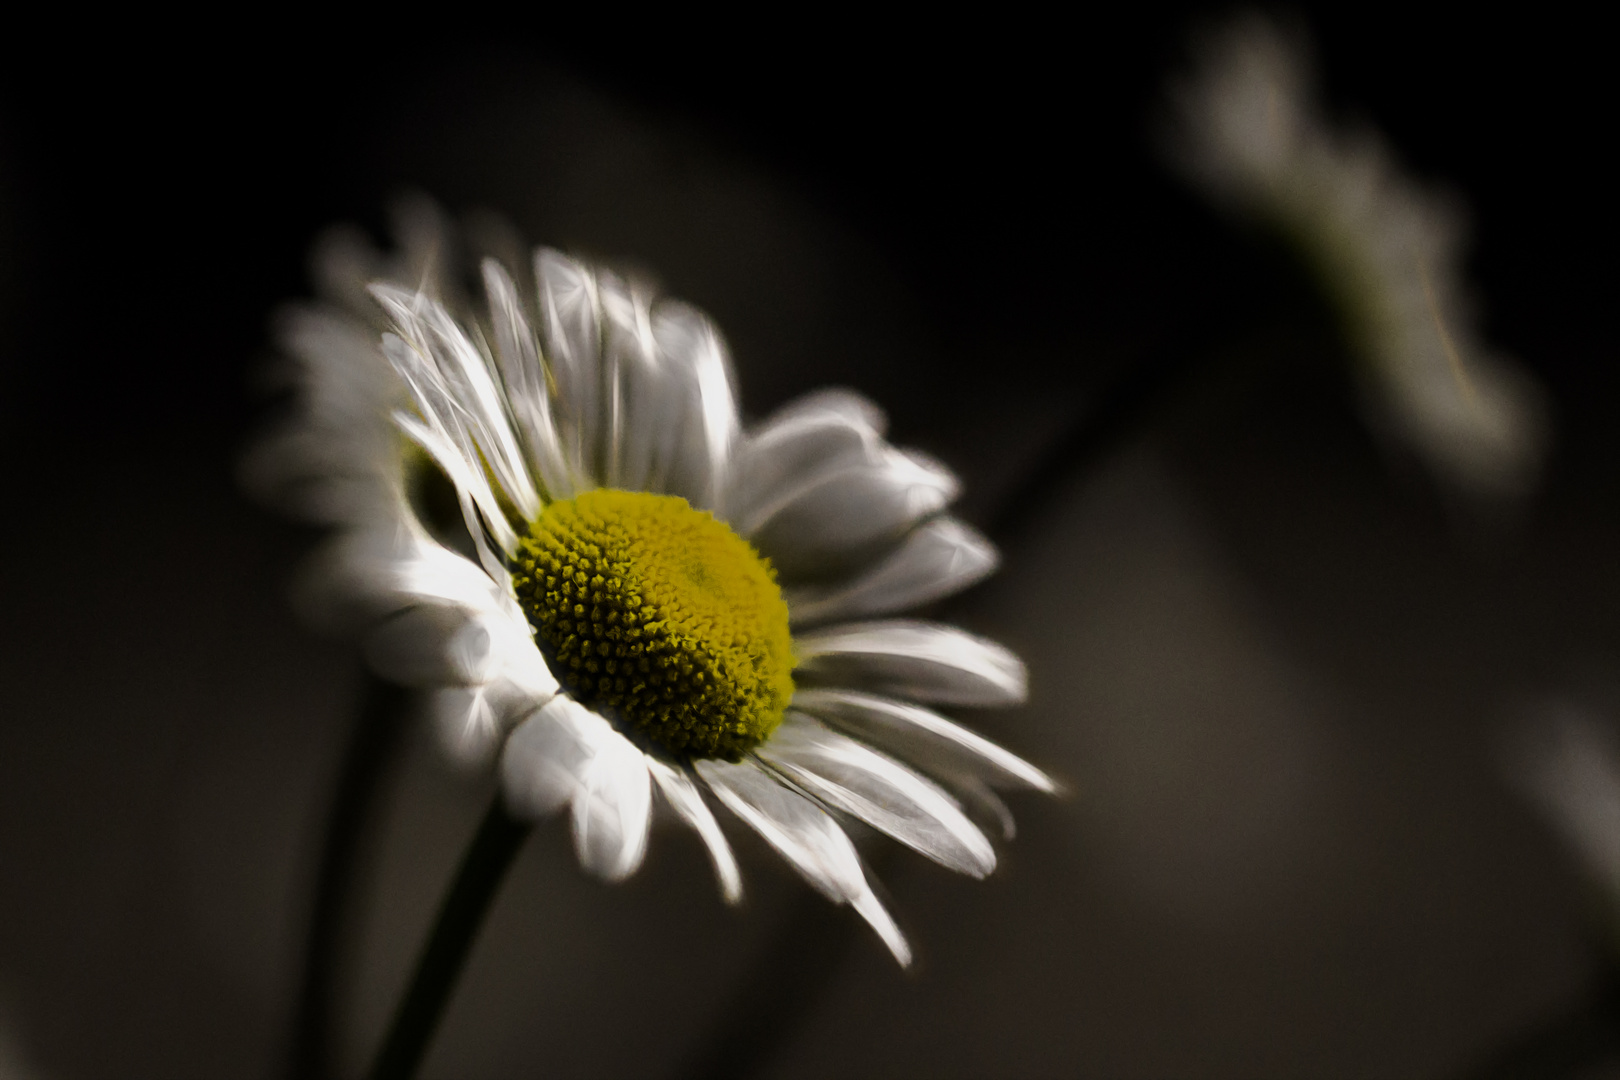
(980, 802)
(921, 736)
(565, 754)
(937, 559)
(878, 918)
(925, 661)
(801, 832)
(517, 659)
(340, 460)
(434, 599)
(612, 806)
(440, 432)
(807, 837)
(439, 619)
(468, 721)
(419, 568)
(856, 408)
(795, 448)
(891, 798)
(643, 396)
(431, 645)
(545, 758)
(452, 364)
(525, 379)
(427, 243)
(847, 516)
(479, 510)
(709, 432)
(683, 795)
(570, 329)
(375, 570)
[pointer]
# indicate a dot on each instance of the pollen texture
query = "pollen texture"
(661, 617)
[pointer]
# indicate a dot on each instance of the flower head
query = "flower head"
(551, 518)
(1386, 249)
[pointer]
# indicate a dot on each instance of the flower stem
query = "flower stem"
(371, 750)
(482, 869)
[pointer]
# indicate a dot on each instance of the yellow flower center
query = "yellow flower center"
(660, 617)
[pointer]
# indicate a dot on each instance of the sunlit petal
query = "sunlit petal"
(797, 447)
(878, 918)
(891, 798)
(455, 381)
(545, 758)
(937, 559)
(612, 806)
(518, 352)
(571, 332)
(925, 661)
(683, 796)
(801, 832)
(431, 645)
(707, 436)
(920, 736)
(848, 516)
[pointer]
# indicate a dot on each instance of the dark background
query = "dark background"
(1270, 660)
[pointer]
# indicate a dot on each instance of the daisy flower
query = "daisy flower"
(632, 601)
(1388, 251)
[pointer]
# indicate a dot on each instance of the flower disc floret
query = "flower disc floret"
(660, 617)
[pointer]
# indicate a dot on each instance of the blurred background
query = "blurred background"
(1272, 660)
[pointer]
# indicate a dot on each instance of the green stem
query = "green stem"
(483, 867)
(367, 763)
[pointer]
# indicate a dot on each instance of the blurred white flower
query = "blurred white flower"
(601, 612)
(1568, 764)
(1247, 130)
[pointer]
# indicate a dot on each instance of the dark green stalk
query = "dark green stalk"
(371, 749)
(483, 867)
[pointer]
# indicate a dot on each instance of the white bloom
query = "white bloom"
(1568, 764)
(571, 411)
(1386, 249)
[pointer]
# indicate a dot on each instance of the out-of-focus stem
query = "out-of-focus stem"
(371, 749)
(483, 868)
